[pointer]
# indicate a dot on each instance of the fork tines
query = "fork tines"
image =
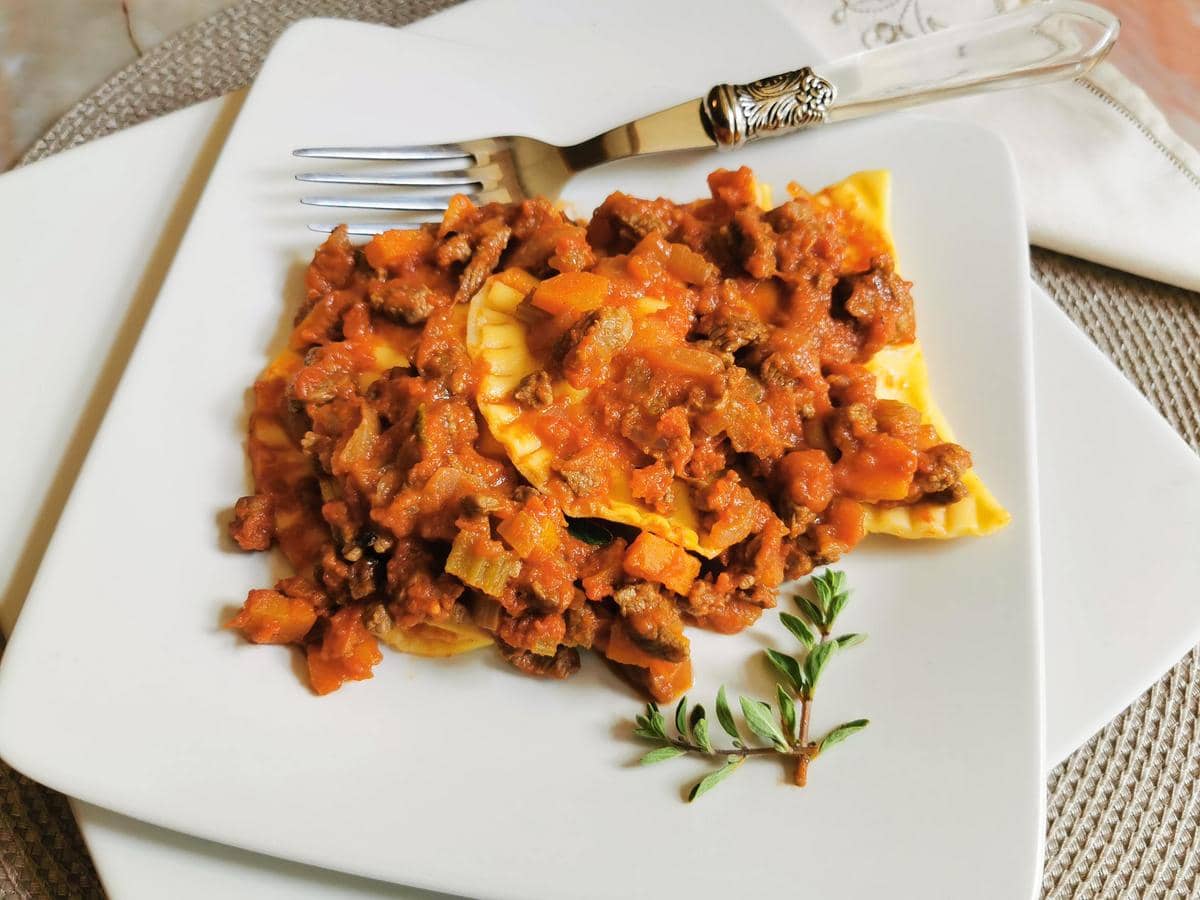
(413, 151)
(421, 178)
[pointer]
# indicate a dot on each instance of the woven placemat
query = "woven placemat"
(1122, 810)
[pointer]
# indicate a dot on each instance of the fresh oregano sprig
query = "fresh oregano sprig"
(780, 734)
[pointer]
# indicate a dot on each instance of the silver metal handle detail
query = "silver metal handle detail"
(1036, 43)
(736, 113)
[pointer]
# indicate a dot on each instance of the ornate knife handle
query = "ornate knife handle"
(1033, 44)
(736, 113)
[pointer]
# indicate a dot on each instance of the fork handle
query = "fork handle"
(1037, 43)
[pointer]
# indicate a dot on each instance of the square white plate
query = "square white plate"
(186, 728)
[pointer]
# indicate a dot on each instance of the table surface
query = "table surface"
(1090, 813)
(42, 74)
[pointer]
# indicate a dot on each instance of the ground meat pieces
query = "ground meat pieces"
(622, 221)
(539, 633)
(652, 485)
(582, 625)
(378, 620)
(652, 622)
(332, 265)
(731, 333)
(940, 469)
(535, 390)
(589, 346)
(405, 302)
(562, 664)
(756, 242)
(455, 249)
(881, 302)
(253, 525)
(484, 260)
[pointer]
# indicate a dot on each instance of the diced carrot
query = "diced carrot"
(622, 650)
(536, 531)
(807, 477)
(269, 617)
(657, 559)
(393, 249)
(664, 680)
(348, 652)
(842, 529)
(603, 570)
(576, 292)
(735, 189)
(881, 469)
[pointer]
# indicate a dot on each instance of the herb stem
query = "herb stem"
(743, 752)
(801, 778)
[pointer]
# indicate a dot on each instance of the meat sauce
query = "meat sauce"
(717, 345)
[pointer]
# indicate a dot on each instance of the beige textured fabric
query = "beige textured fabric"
(1122, 811)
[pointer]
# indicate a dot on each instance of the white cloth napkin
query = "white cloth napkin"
(1104, 176)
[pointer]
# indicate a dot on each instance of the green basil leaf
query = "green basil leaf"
(850, 640)
(796, 626)
(590, 531)
(762, 722)
(725, 715)
(681, 717)
(840, 733)
(659, 755)
(712, 779)
(787, 712)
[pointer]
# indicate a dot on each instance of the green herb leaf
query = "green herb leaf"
(712, 779)
(700, 732)
(657, 723)
(725, 715)
(836, 606)
(814, 664)
(812, 612)
(762, 722)
(787, 712)
(647, 734)
(697, 715)
(681, 712)
(660, 754)
(789, 667)
(840, 733)
(850, 640)
(821, 585)
(590, 531)
(797, 627)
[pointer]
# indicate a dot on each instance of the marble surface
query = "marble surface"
(54, 52)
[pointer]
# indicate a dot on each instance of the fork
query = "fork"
(1034, 44)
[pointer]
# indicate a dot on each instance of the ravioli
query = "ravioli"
(498, 339)
(902, 375)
